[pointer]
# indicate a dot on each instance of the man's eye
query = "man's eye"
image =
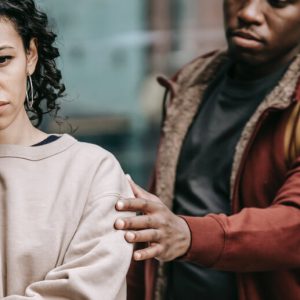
(4, 59)
(279, 3)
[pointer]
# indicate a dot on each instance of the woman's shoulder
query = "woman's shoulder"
(95, 155)
(107, 171)
(89, 150)
(87, 157)
(93, 149)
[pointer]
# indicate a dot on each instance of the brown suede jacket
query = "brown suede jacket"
(261, 240)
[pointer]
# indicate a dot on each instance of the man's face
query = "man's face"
(262, 32)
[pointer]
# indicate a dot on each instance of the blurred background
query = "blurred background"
(111, 52)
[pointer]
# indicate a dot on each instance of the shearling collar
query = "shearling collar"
(186, 94)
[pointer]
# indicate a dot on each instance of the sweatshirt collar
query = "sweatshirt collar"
(38, 153)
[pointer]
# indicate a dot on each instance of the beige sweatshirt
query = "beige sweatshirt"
(56, 223)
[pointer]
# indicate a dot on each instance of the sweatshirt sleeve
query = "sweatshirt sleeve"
(253, 240)
(98, 257)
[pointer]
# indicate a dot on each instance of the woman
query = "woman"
(57, 195)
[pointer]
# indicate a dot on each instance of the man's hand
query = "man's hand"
(168, 235)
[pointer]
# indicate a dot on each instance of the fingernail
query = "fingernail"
(130, 236)
(120, 224)
(137, 256)
(120, 205)
(128, 177)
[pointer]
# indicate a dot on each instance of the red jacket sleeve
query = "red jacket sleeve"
(255, 239)
(135, 281)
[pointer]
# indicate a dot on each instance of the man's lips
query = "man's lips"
(246, 35)
(246, 39)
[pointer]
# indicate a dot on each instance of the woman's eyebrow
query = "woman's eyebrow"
(6, 47)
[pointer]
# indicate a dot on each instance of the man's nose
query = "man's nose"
(251, 12)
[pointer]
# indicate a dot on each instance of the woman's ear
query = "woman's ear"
(32, 57)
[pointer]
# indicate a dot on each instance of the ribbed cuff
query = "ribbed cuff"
(207, 240)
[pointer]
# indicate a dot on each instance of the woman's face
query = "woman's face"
(15, 65)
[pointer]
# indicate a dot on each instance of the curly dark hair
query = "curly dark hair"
(31, 23)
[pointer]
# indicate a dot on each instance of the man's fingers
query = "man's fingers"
(153, 251)
(136, 223)
(140, 192)
(148, 235)
(136, 205)
(137, 190)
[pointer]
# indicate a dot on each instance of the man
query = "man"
(226, 164)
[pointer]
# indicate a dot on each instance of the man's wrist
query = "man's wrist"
(187, 238)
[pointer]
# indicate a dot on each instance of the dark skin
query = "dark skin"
(158, 226)
(262, 36)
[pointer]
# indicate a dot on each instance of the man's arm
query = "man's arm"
(256, 239)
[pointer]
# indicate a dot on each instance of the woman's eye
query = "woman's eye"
(4, 59)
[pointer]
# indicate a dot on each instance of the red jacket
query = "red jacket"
(261, 240)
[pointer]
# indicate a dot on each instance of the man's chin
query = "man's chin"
(246, 57)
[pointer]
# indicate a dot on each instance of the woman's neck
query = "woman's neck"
(21, 132)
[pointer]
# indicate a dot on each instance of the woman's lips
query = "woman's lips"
(3, 106)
